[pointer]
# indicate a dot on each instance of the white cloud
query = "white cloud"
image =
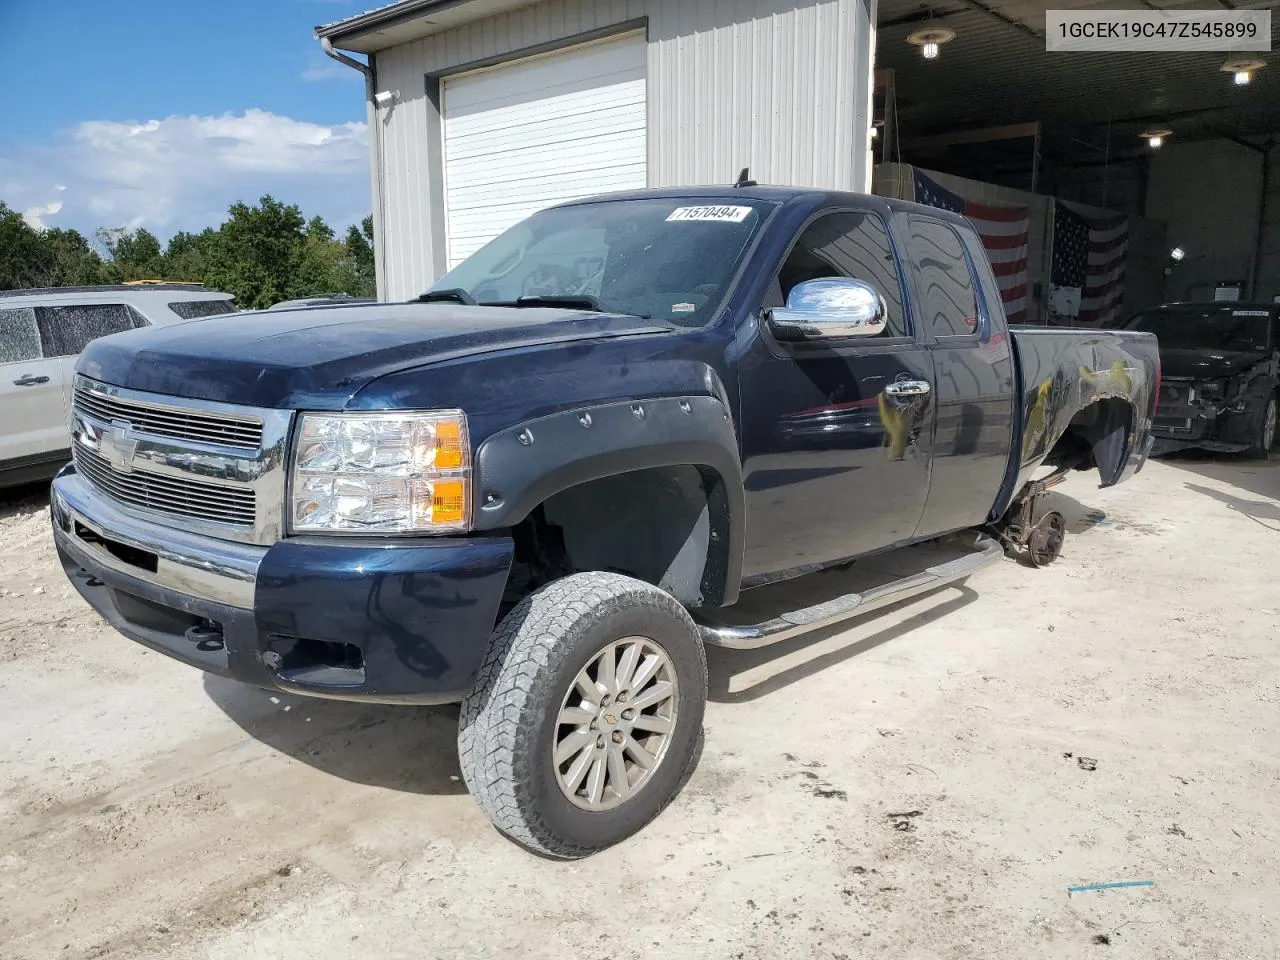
(181, 173)
(35, 215)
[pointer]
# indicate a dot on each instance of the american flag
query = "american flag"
(1004, 232)
(1087, 275)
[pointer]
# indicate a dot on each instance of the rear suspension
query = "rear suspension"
(1026, 536)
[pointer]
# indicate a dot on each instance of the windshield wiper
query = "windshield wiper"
(573, 301)
(454, 294)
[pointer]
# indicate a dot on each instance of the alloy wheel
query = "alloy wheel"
(615, 723)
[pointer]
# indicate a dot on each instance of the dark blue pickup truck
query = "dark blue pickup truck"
(542, 487)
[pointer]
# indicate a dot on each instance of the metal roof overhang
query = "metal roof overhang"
(408, 20)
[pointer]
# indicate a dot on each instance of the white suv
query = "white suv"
(41, 334)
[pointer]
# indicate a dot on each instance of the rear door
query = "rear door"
(34, 424)
(962, 320)
(836, 433)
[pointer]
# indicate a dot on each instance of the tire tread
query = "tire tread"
(513, 686)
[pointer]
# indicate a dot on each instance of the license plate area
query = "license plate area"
(133, 556)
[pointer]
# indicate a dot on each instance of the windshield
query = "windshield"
(1244, 330)
(667, 258)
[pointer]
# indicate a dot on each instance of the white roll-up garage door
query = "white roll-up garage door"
(526, 135)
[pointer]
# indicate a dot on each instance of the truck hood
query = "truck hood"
(319, 357)
(1205, 364)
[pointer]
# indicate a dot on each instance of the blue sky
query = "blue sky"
(161, 113)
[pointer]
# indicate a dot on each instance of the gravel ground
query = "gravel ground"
(927, 784)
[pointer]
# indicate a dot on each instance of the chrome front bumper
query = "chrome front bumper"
(391, 622)
(90, 526)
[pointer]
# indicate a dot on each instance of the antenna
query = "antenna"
(744, 178)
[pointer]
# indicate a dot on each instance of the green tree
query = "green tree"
(133, 254)
(186, 257)
(22, 256)
(359, 250)
(43, 258)
(255, 253)
(319, 263)
(261, 254)
(74, 262)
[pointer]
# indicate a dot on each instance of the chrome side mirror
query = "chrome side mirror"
(828, 309)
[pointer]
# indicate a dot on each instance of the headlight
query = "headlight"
(381, 473)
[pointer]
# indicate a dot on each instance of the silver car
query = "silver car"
(41, 334)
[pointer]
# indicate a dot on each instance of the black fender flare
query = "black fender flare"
(518, 468)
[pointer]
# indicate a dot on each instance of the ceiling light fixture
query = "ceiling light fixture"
(1155, 136)
(930, 39)
(1242, 67)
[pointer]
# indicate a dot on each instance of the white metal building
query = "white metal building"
(484, 111)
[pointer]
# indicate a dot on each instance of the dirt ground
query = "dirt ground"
(925, 785)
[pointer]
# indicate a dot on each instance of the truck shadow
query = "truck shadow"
(1079, 517)
(728, 669)
(23, 499)
(1261, 477)
(414, 750)
(1266, 513)
(409, 749)
(740, 676)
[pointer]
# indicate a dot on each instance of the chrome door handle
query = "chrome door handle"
(29, 381)
(907, 388)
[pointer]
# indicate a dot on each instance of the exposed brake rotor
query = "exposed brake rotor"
(1045, 543)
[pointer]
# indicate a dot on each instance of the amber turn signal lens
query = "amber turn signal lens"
(448, 501)
(449, 454)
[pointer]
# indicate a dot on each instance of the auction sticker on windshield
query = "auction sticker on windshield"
(724, 214)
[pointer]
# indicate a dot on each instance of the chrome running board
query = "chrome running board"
(787, 625)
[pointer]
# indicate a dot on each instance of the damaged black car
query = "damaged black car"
(1219, 385)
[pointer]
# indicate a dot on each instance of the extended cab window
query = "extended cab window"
(853, 245)
(69, 329)
(19, 335)
(948, 305)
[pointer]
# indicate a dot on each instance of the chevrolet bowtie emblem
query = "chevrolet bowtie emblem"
(118, 445)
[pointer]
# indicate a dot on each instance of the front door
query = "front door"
(34, 426)
(67, 330)
(835, 435)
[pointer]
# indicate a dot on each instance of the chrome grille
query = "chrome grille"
(200, 427)
(211, 468)
(179, 497)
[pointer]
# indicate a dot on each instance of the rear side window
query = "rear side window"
(852, 245)
(70, 329)
(948, 305)
(19, 335)
(195, 309)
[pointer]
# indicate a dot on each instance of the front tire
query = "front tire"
(1265, 438)
(586, 716)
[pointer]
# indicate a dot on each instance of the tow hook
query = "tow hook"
(206, 636)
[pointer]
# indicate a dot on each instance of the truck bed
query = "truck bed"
(1063, 370)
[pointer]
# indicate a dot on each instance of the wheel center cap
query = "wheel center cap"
(610, 719)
